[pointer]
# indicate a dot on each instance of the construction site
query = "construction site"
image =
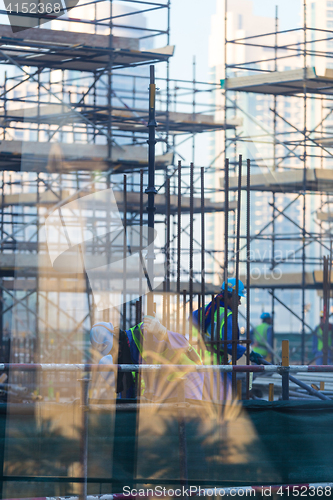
(166, 324)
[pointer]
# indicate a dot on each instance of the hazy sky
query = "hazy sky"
(190, 27)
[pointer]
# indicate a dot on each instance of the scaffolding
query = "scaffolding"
(73, 118)
(293, 173)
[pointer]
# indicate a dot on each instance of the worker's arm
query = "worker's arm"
(195, 318)
(270, 336)
(240, 348)
(178, 341)
(254, 342)
(314, 342)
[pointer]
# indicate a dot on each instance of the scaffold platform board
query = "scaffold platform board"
(52, 281)
(66, 157)
(278, 279)
(133, 201)
(326, 142)
(74, 50)
(325, 216)
(290, 82)
(291, 181)
(132, 120)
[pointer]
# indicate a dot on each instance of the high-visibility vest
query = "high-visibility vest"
(259, 336)
(319, 333)
(212, 348)
(169, 354)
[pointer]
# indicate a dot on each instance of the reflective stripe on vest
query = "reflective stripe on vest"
(168, 354)
(260, 336)
(320, 334)
(208, 354)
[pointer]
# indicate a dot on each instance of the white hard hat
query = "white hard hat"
(101, 337)
(108, 376)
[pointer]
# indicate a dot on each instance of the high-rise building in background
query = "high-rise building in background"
(271, 136)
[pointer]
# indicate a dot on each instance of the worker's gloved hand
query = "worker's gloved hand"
(193, 355)
(255, 357)
(153, 326)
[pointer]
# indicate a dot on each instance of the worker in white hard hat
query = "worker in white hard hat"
(113, 345)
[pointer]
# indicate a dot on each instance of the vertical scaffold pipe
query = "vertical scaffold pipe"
(202, 187)
(217, 346)
(248, 271)
(211, 345)
(304, 179)
(84, 436)
(226, 243)
(235, 292)
(184, 313)
(124, 254)
(191, 250)
(151, 190)
(285, 374)
(167, 250)
(326, 311)
(179, 224)
(141, 239)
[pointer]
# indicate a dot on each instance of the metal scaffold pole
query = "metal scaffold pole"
(304, 186)
(151, 190)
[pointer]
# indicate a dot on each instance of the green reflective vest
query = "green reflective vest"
(260, 337)
(169, 354)
(210, 355)
(319, 333)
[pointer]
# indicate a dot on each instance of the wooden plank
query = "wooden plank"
(317, 180)
(55, 157)
(134, 119)
(283, 82)
(64, 39)
(45, 198)
(283, 280)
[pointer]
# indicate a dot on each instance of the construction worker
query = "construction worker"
(262, 336)
(207, 336)
(318, 344)
(150, 342)
(113, 344)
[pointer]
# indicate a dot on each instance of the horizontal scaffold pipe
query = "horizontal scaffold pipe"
(143, 367)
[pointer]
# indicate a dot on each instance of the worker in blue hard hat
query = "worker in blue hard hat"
(262, 336)
(211, 320)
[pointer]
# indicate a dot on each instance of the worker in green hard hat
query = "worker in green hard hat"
(262, 336)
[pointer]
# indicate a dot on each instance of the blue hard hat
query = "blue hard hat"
(265, 315)
(231, 284)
